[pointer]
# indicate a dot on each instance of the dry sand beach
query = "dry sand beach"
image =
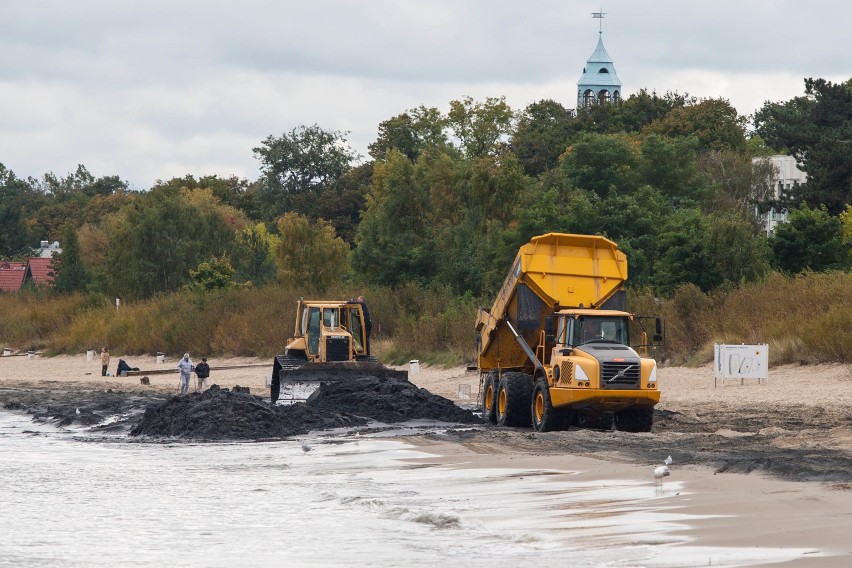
(766, 464)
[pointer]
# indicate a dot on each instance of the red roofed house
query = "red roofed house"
(36, 271)
(41, 271)
(12, 276)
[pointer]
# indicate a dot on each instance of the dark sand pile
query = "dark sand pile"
(220, 414)
(101, 411)
(387, 401)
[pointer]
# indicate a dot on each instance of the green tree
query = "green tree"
(410, 133)
(213, 274)
(846, 221)
(684, 254)
(342, 203)
(634, 222)
(671, 166)
(811, 239)
(739, 251)
(233, 191)
(601, 163)
(543, 132)
(643, 108)
(254, 255)
(714, 122)
(298, 166)
(817, 130)
(739, 184)
(310, 256)
(157, 238)
(480, 127)
(70, 272)
(18, 199)
(395, 241)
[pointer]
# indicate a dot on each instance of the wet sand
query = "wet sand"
(770, 462)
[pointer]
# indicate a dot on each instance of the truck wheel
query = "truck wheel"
(489, 398)
(634, 419)
(545, 418)
(513, 400)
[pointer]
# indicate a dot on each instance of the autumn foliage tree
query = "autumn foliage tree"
(309, 255)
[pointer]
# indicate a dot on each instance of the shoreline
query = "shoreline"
(755, 465)
(721, 510)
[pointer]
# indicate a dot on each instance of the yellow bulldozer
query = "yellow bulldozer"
(555, 349)
(330, 343)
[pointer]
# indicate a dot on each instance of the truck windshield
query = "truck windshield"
(588, 329)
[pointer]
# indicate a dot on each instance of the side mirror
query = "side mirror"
(658, 329)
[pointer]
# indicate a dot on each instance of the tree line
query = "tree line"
(444, 199)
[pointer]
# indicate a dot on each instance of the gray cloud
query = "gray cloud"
(162, 88)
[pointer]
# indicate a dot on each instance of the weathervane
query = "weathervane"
(599, 15)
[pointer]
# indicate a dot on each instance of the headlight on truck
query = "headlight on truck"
(652, 379)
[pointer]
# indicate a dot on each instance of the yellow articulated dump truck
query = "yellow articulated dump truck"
(554, 349)
(330, 343)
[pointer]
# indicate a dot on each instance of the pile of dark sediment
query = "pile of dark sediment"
(223, 414)
(102, 411)
(236, 414)
(387, 401)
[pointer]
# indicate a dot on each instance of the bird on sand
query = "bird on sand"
(306, 447)
(662, 471)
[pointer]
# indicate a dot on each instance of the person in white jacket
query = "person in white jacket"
(186, 367)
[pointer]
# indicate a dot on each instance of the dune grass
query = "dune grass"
(804, 319)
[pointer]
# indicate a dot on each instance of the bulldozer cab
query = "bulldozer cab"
(329, 344)
(329, 332)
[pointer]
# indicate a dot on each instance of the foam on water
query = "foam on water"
(81, 501)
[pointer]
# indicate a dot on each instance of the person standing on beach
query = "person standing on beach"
(104, 361)
(185, 367)
(202, 371)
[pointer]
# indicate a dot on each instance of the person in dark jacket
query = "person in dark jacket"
(202, 371)
(123, 367)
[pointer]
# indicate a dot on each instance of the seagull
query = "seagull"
(78, 411)
(306, 447)
(662, 471)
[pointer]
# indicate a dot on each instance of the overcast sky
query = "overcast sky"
(150, 90)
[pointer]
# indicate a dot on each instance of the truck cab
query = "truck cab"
(591, 352)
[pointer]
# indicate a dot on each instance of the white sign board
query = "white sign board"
(741, 362)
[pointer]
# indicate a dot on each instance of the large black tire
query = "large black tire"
(634, 419)
(489, 398)
(513, 400)
(546, 418)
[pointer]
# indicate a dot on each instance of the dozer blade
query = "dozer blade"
(298, 384)
(338, 371)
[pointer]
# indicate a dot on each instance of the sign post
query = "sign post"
(740, 362)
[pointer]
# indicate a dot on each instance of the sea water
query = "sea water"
(70, 498)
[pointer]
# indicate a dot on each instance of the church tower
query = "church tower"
(599, 82)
